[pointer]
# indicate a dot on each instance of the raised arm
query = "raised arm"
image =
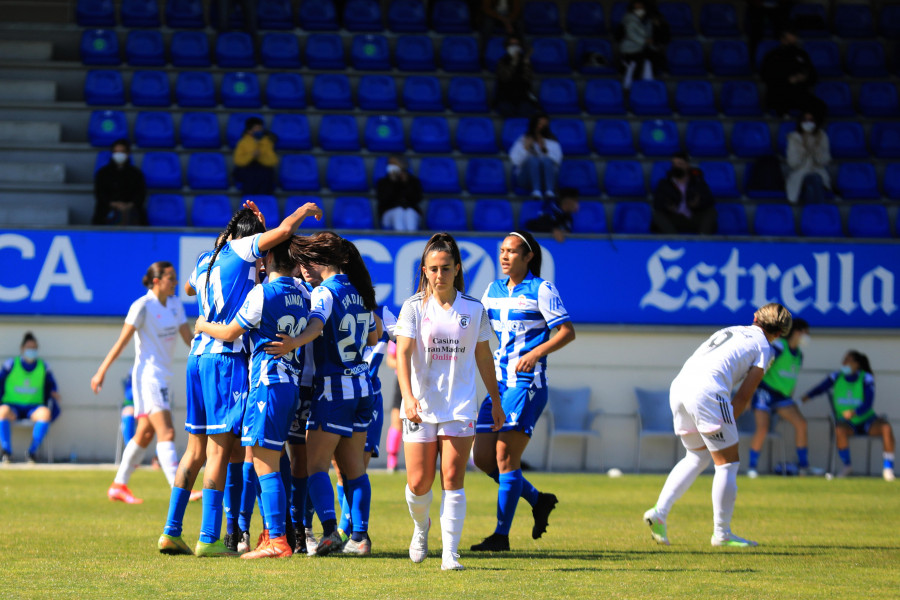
(114, 352)
(288, 226)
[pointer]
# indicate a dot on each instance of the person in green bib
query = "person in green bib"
(852, 396)
(774, 396)
(28, 392)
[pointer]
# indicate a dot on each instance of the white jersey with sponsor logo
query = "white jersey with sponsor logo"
(157, 329)
(443, 374)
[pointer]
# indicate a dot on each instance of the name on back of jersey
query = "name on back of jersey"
(349, 299)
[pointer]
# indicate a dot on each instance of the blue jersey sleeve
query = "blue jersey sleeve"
(823, 386)
(868, 395)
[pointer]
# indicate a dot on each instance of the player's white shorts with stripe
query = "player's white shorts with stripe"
(429, 432)
(703, 419)
(150, 394)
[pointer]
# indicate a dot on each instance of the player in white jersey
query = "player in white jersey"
(704, 412)
(442, 345)
(158, 319)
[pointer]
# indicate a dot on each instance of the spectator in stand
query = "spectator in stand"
(761, 12)
(556, 215)
(641, 36)
(808, 157)
(513, 96)
(255, 159)
(790, 76)
(399, 196)
(682, 201)
(536, 157)
(120, 190)
(505, 13)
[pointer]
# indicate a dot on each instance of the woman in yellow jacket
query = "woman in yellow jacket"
(255, 159)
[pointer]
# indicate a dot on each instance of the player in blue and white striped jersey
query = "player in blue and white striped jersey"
(523, 309)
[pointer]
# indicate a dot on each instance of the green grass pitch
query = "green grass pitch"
(61, 538)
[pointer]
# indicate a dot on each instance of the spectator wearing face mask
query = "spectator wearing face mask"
(683, 202)
(119, 190)
(635, 35)
(399, 195)
(255, 159)
(514, 96)
(536, 157)
(808, 157)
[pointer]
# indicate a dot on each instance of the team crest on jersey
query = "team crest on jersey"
(464, 320)
(523, 301)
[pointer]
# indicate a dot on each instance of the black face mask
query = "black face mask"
(545, 132)
(678, 172)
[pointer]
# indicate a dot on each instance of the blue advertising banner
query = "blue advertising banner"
(628, 281)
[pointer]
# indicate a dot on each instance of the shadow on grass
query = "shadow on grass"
(846, 547)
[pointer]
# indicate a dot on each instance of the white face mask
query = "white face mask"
(846, 370)
(803, 342)
(393, 170)
(120, 157)
(514, 50)
(640, 12)
(808, 126)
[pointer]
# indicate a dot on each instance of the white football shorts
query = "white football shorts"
(429, 432)
(702, 419)
(150, 396)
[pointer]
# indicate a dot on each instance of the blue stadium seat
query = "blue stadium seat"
(847, 139)
(346, 173)
(414, 53)
(234, 129)
(857, 181)
(658, 172)
(541, 18)
(825, 56)
(407, 16)
(774, 220)
(585, 18)
(268, 206)
(446, 214)
(95, 13)
(732, 219)
(613, 137)
(604, 97)
(889, 21)
(139, 13)
(493, 52)
(292, 203)
(107, 126)
(821, 220)
(195, 88)
(718, 19)
(492, 215)
(467, 95)
(384, 134)
(550, 55)
(632, 217)
(766, 46)
(459, 54)
(624, 178)
(695, 97)
(486, 176)
(241, 90)
(352, 212)
(721, 178)
(275, 14)
(590, 218)
(200, 130)
(729, 58)
(299, 172)
(430, 134)
(370, 52)
(783, 131)
(868, 221)
(154, 130)
(866, 59)
(586, 49)
(706, 138)
(439, 175)
(280, 51)
(379, 169)
(211, 210)
(100, 47)
(362, 15)
(740, 99)
(837, 96)
(750, 139)
(529, 209)
(162, 170)
(285, 90)
(761, 194)
(166, 210)
(338, 132)
(581, 175)
(292, 132)
(659, 138)
(679, 17)
(185, 14)
(878, 99)
(145, 49)
(189, 49)
(474, 135)
(512, 130)
(809, 19)
(207, 171)
(104, 87)
(422, 93)
(885, 139)
(685, 57)
(572, 136)
(892, 181)
(450, 16)
(150, 88)
(331, 91)
(559, 96)
(649, 97)
(234, 50)
(325, 51)
(853, 21)
(377, 92)
(318, 15)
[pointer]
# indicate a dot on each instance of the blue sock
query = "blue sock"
(802, 457)
(178, 502)
(298, 500)
(273, 498)
(323, 499)
(754, 459)
(6, 436)
(529, 492)
(508, 499)
(248, 496)
(234, 484)
(495, 475)
(845, 455)
(360, 501)
(887, 460)
(128, 427)
(38, 434)
(310, 510)
(211, 521)
(344, 500)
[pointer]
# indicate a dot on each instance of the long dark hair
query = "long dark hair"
(328, 248)
(155, 271)
(442, 242)
(862, 360)
(242, 224)
(532, 126)
(282, 257)
(531, 245)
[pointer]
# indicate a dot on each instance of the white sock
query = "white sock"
(680, 479)
(648, 70)
(453, 514)
(168, 460)
(724, 493)
(887, 455)
(418, 507)
(131, 458)
(629, 74)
